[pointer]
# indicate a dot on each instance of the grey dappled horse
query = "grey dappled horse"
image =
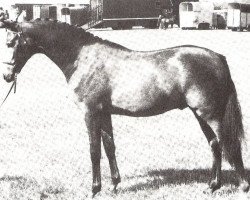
(108, 78)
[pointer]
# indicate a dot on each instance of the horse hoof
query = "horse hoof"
(207, 191)
(95, 189)
(115, 183)
(116, 180)
(214, 185)
(244, 186)
(115, 189)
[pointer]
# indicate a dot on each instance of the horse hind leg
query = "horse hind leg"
(109, 146)
(92, 120)
(211, 130)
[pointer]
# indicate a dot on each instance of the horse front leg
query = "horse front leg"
(109, 146)
(92, 120)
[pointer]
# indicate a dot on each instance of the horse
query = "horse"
(110, 79)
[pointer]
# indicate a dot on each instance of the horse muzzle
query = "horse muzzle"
(9, 77)
(8, 73)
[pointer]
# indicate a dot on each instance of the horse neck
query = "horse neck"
(62, 54)
(63, 57)
(66, 58)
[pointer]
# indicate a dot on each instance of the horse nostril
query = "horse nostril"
(9, 44)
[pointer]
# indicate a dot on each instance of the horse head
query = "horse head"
(20, 49)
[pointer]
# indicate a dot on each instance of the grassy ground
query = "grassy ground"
(44, 151)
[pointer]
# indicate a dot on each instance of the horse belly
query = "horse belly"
(147, 100)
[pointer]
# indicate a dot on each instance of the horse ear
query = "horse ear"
(10, 25)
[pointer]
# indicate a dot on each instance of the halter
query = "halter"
(14, 84)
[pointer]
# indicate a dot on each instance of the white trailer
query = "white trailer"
(238, 16)
(75, 15)
(196, 15)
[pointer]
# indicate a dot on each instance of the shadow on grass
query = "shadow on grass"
(13, 178)
(158, 178)
(21, 184)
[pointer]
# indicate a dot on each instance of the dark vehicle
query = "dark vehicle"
(28, 8)
(124, 14)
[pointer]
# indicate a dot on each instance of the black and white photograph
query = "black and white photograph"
(124, 99)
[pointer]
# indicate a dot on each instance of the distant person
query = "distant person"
(2, 17)
(170, 16)
(7, 15)
(161, 22)
(14, 13)
(2, 14)
(165, 18)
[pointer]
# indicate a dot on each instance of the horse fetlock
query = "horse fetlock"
(116, 179)
(214, 185)
(244, 186)
(96, 187)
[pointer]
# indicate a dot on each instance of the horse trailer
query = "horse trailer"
(196, 15)
(26, 7)
(124, 14)
(75, 15)
(52, 11)
(238, 17)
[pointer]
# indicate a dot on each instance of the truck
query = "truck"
(69, 13)
(124, 14)
(238, 16)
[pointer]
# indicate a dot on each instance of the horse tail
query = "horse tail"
(232, 127)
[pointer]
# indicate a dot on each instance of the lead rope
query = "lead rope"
(15, 82)
(12, 86)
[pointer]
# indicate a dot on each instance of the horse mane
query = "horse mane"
(75, 32)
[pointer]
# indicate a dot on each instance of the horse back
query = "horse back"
(147, 83)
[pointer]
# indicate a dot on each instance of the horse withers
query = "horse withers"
(108, 78)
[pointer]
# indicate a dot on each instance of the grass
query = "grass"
(156, 184)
